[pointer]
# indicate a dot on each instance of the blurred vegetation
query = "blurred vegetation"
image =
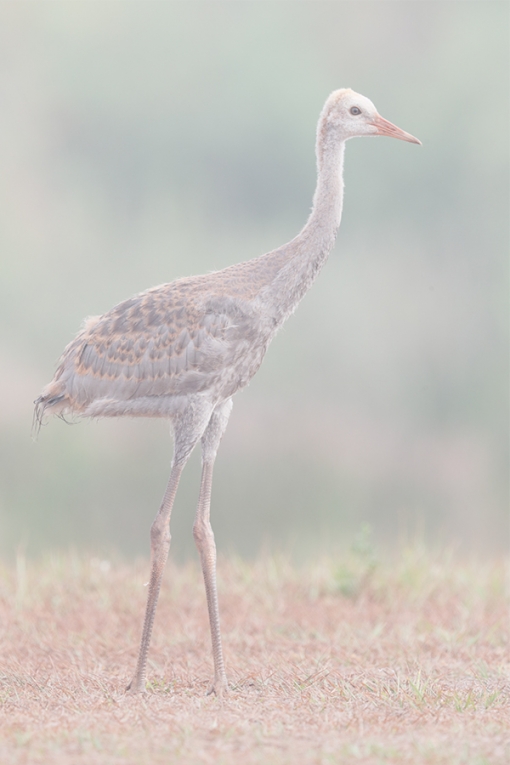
(146, 141)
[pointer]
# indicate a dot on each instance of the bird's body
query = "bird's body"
(181, 350)
(202, 335)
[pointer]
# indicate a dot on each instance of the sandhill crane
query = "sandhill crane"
(181, 351)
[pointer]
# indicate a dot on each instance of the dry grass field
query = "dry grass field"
(348, 660)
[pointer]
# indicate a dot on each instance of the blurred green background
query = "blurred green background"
(141, 142)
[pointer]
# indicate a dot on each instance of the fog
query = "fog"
(146, 141)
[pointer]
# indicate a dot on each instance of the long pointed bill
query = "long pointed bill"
(392, 131)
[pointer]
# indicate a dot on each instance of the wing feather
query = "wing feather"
(159, 343)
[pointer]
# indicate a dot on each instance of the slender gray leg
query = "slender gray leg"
(204, 538)
(187, 430)
(160, 545)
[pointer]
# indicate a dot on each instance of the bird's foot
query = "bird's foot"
(219, 687)
(136, 686)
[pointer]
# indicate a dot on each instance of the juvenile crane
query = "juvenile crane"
(181, 350)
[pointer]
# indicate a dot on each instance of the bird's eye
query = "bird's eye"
(355, 110)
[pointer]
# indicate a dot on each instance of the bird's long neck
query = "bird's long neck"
(303, 257)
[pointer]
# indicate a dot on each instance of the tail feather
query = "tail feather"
(41, 404)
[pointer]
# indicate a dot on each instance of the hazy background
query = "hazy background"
(140, 142)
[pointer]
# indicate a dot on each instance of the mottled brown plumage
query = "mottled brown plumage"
(183, 349)
(176, 339)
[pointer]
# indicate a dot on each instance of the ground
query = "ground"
(346, 660)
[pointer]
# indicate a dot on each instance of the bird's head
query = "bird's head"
(352, 115)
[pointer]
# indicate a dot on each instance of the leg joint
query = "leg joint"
(160, 532)
(202, 532)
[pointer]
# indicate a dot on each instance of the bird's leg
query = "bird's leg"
(160, 545)
(204, 538)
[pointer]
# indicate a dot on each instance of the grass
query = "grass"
(348, 660)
